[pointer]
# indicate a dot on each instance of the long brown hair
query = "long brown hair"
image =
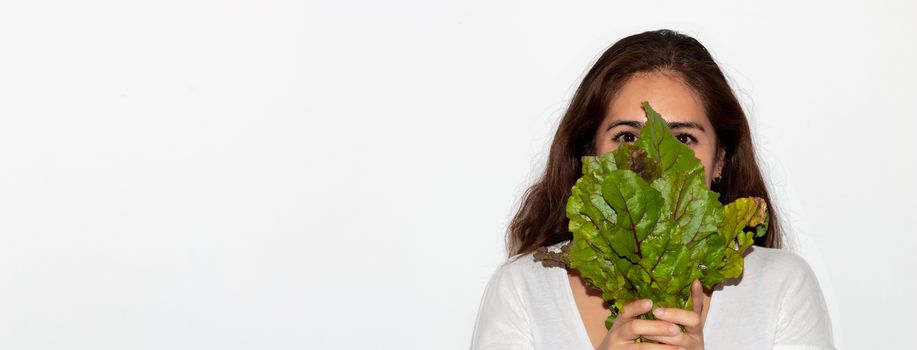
(541, 219)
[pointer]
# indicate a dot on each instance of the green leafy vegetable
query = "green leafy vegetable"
(645, 225)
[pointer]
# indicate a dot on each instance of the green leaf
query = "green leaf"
(742, 213)
(645, 225)
(598, 166)
(669, 154)
(637, 206)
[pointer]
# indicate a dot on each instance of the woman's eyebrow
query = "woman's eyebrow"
(631, 123)
(686, 125)
(673, 125)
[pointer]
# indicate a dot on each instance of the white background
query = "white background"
(339, 175)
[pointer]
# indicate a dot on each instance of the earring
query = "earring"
(717, 179)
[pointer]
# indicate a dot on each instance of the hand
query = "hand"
(693, 321)
(626, 327)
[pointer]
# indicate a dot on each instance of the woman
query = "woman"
(775, 304)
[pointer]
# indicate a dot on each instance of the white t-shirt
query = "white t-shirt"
(776, 304)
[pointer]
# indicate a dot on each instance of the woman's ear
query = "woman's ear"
(589, 149)
(719, 163)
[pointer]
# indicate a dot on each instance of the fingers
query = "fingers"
(692, 320)
(689, 319)
(649, 346)
(676, 340)
(636, 328)
(635, 308)
(663, 329)
(697, 293)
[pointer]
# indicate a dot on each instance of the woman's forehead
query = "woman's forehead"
(669, 96)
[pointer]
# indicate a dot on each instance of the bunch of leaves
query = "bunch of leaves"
(645, 225)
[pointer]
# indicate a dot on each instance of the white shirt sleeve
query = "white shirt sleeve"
(502, 322)
(803, 322)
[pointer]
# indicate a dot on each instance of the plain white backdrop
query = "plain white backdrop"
(339, 175)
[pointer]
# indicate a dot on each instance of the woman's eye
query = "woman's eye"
(624, 136)
(686, 138)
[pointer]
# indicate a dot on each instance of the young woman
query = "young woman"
(775, 304)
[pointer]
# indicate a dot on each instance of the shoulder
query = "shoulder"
(801, 312)
(523, 272)
(777, 266)
(505, 314)
(776, 257)
(527, 262)
(775, 277)
(514, 288)
(780, 288)
(522, 267)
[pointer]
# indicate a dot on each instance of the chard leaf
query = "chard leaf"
(743, 212)
(645, 225)
(637, 206)
(667, 153)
